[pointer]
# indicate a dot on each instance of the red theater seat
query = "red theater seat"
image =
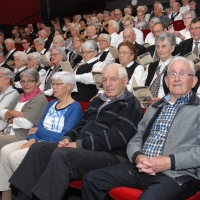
(126, 193)
(145, 32)
(178, 23)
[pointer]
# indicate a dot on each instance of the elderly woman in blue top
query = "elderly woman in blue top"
(59, 117)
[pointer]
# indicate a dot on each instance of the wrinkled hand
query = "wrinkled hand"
(160, 163)
(32, 130)
(143, 165)
(175, 33)
(63, 143)
(72, 145)
(28, 144)
(153, 100)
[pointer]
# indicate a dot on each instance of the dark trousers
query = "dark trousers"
(96, 184)
(47, 170)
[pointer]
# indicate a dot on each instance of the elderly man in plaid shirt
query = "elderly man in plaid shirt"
(165, 153)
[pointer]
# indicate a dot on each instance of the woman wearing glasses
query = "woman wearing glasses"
(26, 44)
(74, 56)
(184, 34)
(127, 55)
(57, 55)
(24, 111)
(86, 88)
(35, 62)
(60, 116)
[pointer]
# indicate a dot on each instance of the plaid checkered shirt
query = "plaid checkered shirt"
(154, 144)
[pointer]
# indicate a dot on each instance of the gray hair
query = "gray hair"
(44, 31)
(100, 14)
(75, 26)
(22, 55)
(141, 8)
(128, 10)
(31, 73)
(146, 8)
(129, 29)
(159, 5)
(61, 51)
(121, 70)
(177, 3)
(7, 74)
(180, 58)
(106, 37)
(1, 46)
(36, 56)
(90, 44)
(9, 40)
(166, 35)
(117, 10)
(190, 12)
(94, 18)
(39, 40)
(106, 13)
(154, 20)
(79, 16)
(115, 24)
(60, 38)
(65, 77)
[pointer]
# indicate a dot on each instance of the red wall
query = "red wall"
(13, 11)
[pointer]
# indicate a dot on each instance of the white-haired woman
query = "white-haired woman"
(86, 88)
(59, 117)
(57, 55)
(113, 28)
(184, 34)
(20, 61)
(35, 61)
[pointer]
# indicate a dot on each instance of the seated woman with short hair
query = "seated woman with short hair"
(59, 117)
(24, 111)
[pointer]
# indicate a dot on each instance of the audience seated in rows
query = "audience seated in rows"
(98, 140)
(60, 116)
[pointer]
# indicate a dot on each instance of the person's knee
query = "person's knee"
(89, 177)
(14, 160)
(65, 152)
(6, 150)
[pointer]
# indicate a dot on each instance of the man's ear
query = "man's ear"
(166, 80)
(125, 81)
(195, 80)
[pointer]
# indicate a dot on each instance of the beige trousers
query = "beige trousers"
(10, 159)
(6, 139)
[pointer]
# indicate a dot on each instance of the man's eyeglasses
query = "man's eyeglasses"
(24, 42)
(86, 52)
(126, 25)
(180, 74)
(196, 28)
(27, 82)
(57, 84)
(186, 18)
(54, 54)
(123, 53)
(158, 31)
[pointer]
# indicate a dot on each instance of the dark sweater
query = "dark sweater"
(111, 128)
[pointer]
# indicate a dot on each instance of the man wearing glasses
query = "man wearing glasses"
(193, 45)
(118, 18)
(164, 154)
